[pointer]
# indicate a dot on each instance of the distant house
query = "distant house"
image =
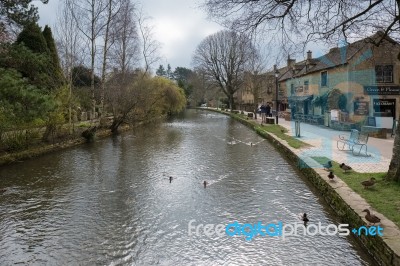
(360, 79)
(256, 89)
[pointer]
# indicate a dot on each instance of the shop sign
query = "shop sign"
(361, 108)
(382, 90)
(384, 103)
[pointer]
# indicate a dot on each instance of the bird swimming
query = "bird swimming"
(368, 183)
(328, 165)
(371, 218)
(304, 218)
(331, 176)
(345, 168)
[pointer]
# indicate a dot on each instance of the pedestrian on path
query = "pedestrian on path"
(268, 110)
(263, 109)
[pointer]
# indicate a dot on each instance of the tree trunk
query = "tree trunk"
(105, 53)
(394, 172)
(115, 125)
(231, 102)
(255, 107)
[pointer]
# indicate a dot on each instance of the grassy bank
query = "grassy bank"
(38, 148)
(383, 196)
(277, 130)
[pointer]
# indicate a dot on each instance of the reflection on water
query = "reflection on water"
(111, 202)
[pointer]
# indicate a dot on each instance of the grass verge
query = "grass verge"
(383, 196)
(277, 130)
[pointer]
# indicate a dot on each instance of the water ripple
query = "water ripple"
(112, 203)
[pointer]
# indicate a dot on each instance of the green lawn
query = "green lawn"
(384, 196)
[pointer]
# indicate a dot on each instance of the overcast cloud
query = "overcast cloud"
(179, 25)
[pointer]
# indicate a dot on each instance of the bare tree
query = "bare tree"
(69, 44)
(149, 46)
(306, 20)
(90, 19)
(113, 8)
(124, 52)
(224, 57)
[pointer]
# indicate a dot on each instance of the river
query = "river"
(111, 202)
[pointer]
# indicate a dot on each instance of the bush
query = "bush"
(15, 140)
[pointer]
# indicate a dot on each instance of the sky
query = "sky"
(178, 24)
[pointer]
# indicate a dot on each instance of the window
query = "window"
(324, 78)
(291, 89)
(384, 74)
(306, 85)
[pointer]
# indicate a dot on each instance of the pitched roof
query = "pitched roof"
(335, 57)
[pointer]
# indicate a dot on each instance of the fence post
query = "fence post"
(297, 128)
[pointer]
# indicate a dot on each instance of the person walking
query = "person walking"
(263, 109)
(268, 110)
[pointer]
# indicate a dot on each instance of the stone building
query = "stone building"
(354, 83)
(257, 89)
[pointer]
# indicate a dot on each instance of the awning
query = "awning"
(300, 98)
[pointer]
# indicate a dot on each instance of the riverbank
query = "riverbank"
(42, 148)
(347, 204)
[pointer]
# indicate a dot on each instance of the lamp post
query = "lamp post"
(276, 93)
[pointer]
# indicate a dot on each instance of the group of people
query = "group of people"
(265, 111)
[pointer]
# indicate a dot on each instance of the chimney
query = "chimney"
(290, 62)
(309, 55)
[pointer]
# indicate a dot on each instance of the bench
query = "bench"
(375, 132)
(355, 142)
(270, 120)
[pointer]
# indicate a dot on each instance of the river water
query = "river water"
(111, 202)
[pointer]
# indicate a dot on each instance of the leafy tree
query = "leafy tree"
(33, 66)
(19, 12)
(172, 98)
(81, 77)
(161, 71)
(169, 75)
(142, 98)
(51, 46)
(182, 76)
(182, 73)
(32, 37)
(57, 116)
(23, 102)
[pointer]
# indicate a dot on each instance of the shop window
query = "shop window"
(384, 74)
(324, 78)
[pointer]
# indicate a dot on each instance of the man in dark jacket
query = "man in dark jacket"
(268, 110)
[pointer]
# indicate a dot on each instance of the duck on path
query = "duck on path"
(331, 176)
(371, 218)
